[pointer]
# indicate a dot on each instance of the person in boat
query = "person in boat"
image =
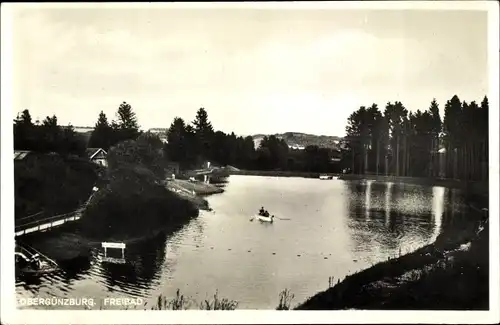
(261, 211)
(266, 214)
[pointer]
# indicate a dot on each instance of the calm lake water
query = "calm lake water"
(323, 228)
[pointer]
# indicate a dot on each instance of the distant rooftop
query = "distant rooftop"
(20, 154)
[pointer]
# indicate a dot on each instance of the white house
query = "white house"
(98, 156)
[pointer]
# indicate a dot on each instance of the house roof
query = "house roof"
(20, 154)
(92, 152)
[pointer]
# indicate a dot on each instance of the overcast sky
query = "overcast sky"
(255, 71)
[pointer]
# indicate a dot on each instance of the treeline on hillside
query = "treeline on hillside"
(50, 184)
(190, 144)
(401, 143)
(49, 136)
(46, 136)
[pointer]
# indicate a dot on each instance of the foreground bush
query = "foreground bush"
(134, 203)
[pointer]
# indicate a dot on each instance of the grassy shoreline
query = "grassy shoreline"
(193, 191)
(421, 279)
(199, 188)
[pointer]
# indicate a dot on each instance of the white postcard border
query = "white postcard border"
(10, 315)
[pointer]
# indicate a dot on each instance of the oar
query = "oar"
(283, 218)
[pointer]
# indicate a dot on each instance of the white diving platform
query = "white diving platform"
(109, 245)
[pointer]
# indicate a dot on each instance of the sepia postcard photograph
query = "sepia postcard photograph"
(250, 162)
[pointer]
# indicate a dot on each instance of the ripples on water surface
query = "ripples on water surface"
(335, 228)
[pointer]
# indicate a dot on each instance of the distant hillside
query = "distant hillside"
(302, 140)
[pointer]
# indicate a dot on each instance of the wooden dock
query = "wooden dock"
(29, 252)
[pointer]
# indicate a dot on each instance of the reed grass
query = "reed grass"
(181, 302)
(219, 304)
(285, 301)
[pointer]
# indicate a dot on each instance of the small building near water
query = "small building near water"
(98, 156)
(21, 154)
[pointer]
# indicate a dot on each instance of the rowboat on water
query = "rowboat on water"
(43, 269)
(325, 177)
(33, 265)
(265, 219)
(263, 216)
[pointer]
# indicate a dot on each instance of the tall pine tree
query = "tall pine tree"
(24, 132)
(204, 134)
(176, 147)
(452, 131)
(102, 136)
(128, 127)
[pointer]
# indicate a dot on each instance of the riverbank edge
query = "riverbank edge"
(345, 294)
(280, 173)
(199, 188)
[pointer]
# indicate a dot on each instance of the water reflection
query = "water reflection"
(367, 199)
(438, 201)
(74, 270)
(388, 196)
(384, 217)
(457, 210)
